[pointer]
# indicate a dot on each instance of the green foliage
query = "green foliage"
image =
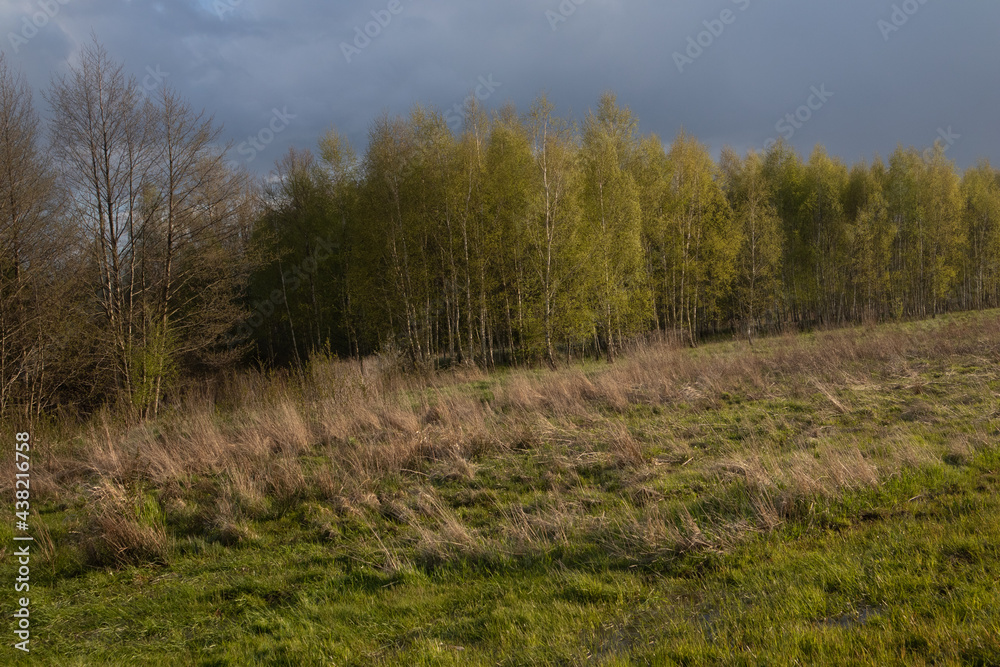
(698, 241)
(759, 259)
(870, 237)
(612, 224)
(981, 275)
(524, 238)
(153, 367)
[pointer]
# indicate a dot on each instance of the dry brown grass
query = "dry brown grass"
(331, 435)
(440, 535)
(651, 534)
(122, 528)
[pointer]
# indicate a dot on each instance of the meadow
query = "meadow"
(820, 498)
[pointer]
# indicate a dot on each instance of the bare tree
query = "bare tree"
(35, 254)
(197, 208)
(104, 141)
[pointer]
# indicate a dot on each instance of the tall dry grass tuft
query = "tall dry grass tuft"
(654, 534)
(776, 489)
(441, 537)
(123, 527)
(286, 480)
(282, 424)
(244, 493)
(551, 525)
(228, 524)
(623, 445)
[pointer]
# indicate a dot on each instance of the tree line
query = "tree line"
(133, 257)
(526, 237)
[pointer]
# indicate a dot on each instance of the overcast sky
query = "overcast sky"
(875, 72)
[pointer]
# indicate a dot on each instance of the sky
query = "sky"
(859, 76)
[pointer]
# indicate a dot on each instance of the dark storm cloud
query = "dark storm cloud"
(728, 71)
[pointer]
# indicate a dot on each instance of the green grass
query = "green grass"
(844, 514)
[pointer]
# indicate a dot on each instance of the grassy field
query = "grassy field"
(828, 498)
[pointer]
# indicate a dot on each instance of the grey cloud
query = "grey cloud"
(937, 70)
